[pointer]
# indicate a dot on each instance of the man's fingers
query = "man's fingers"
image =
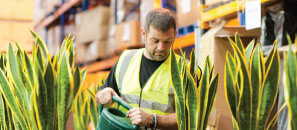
(133, 110)
(136, 120)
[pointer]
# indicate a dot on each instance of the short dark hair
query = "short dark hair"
(160, 18)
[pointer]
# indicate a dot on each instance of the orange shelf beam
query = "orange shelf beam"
(102, 65)
(184, 41)
(47, 21)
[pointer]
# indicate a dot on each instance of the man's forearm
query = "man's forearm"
(167, 122)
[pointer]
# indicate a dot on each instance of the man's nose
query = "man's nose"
(161, 46)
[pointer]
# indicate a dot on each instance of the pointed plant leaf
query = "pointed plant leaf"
(203, 94)
(2, 111)
(178, 89)
(211, 98)
(269, 88)
(29, 68)
(77, 81)
(229, 84)
(269, 57)
(192, 103)
(255, 69)
(41, 43)
(239, 44)
(249, 50)
(83, 74)
(290, 85)
(245, 103)
(10, 99)
(49, 79)
(42, 95)
(39, 58)
(64, 86)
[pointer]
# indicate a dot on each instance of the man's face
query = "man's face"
(158, 43)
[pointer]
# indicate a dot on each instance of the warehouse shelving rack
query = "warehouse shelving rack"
(188, 40)
(230, 8)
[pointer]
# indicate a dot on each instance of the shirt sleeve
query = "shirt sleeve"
(111, 81)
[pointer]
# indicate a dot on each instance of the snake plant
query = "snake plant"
(194, 93)
(36, 92)
(290, 84)
(251, 84)
(85, 108)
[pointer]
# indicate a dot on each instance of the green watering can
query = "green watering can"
(114, 119)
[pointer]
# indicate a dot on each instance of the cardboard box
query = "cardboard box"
(123, 7)
(188, 12)
(111, 43)
(145, 7)
(15, 32)
(39, 11)
(216, 44)
(92, 25)
(16, 9)
(127, 34)
(90, 52)
(54, 39)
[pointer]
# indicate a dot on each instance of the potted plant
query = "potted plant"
(194, 93)
(251, 84)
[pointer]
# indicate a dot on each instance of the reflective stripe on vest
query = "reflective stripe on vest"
(157, 94)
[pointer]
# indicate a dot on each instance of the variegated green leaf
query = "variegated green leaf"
(192, 103)
(290, 85)
(211, 98)
(42, 95)
(230, 88)
(178, 89)
(249, 50)
(64, 86)
(41, 43)
(239, 44)
(2, 112)
(255, 69)
(11, 100)
(269, 88)
(49, 79)
(93, 110)
(245, 100)
(203, 94)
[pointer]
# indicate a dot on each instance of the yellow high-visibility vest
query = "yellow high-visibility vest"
(157, 94)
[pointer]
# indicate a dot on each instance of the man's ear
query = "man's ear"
(175, 33)
(143, 33)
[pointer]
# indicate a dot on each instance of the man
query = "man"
(141, 77)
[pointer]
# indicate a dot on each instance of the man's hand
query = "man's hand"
(104, 96)
(138, 117)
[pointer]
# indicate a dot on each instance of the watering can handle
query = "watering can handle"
(115, 99)
(121, 102)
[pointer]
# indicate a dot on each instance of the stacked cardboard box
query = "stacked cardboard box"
(188, 12)
(145, 7)
(14, 31)
(91, 34)
(127, 34)
(16, 9)
(123, 8)
(215, 44)
(40, 11)
(15, 23)
(54, 39)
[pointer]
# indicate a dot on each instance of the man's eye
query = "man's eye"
(167, 42)
(155, 41)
